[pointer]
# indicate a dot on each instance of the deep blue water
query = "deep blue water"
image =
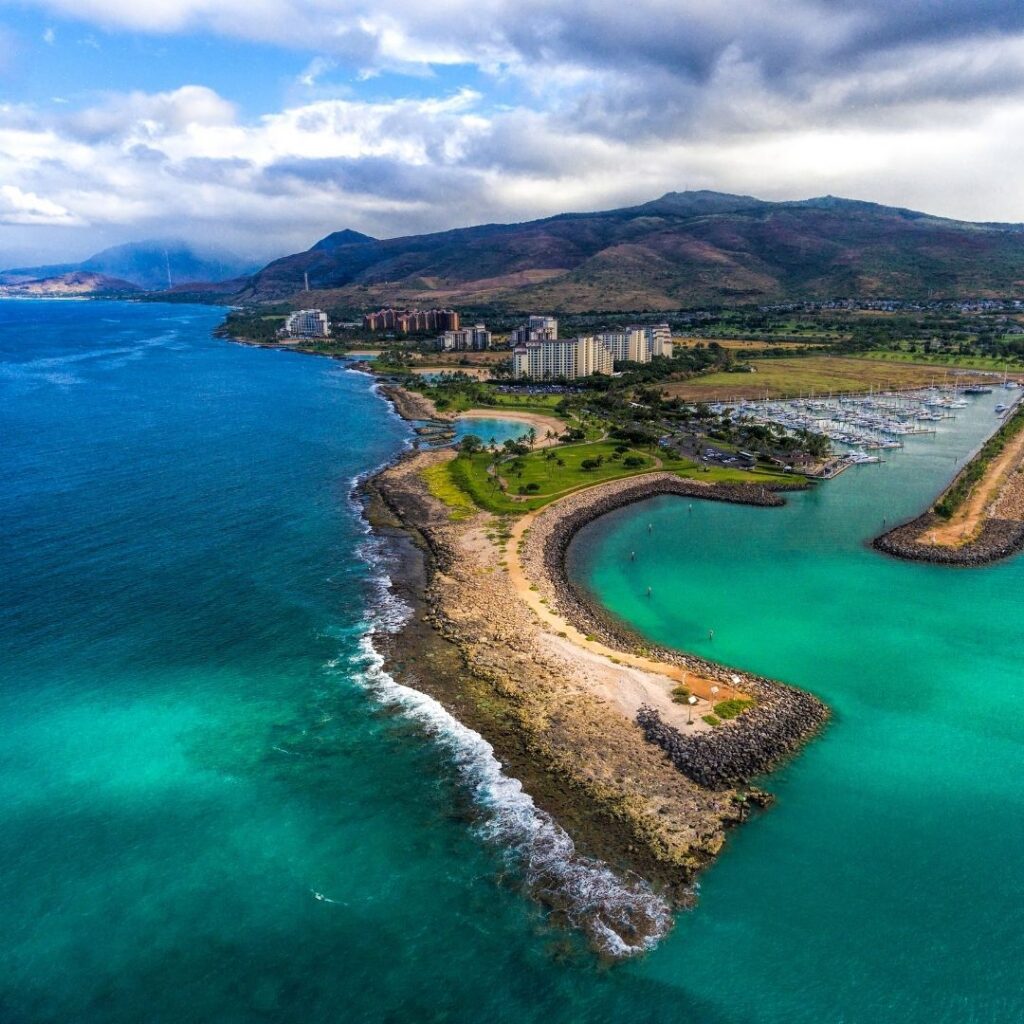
(196, 741)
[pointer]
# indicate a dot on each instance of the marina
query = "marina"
(859, 427)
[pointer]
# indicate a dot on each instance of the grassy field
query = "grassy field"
(785, 378)
(742, 344)
(442, 485)
(468, 478)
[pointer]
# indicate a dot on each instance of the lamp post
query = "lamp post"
(714, 694)
(690, 701)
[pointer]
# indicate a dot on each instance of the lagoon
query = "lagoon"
(887, 883)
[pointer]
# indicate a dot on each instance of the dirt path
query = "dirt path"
(967, 521)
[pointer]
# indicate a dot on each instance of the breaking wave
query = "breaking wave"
(620, 915)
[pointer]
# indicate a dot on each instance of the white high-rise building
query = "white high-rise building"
(467, 339)
(307, 323)
(658, 340)
(562, 357)
(537, 328)
(627, 345)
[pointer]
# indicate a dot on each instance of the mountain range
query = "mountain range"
(684, 249)
(151, 265)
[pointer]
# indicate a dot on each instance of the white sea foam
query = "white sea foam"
(621, 916)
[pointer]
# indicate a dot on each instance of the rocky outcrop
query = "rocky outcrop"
(782, 721)
(411, 405)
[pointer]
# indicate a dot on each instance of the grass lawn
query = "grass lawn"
(784, 378)
(469, 476)
(528, 403)
(542, 468)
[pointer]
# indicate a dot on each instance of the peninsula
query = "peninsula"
(979, 518)
(644, 755)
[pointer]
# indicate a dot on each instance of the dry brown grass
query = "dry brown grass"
(786, 378)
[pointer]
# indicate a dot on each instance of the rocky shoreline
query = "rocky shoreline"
(639, 800)
(997, 539)
(411, 405)
(783, 718)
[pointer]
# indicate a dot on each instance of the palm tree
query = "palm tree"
(531, 435)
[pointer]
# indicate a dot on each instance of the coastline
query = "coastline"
(614, 771)
(987, 522)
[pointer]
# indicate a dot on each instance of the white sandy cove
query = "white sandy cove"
(624, 679)
(542, 424)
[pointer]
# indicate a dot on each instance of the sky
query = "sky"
(263, 125)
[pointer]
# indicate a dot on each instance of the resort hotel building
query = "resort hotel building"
(467, 339)
(537, 328)
(539, 353)
(562, 357)
(307, 323)
(412, 321)
(638, 343)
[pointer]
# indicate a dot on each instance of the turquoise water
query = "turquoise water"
(492, 429)
(888, 883)
(195, 741)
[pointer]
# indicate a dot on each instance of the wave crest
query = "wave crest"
(620, 915)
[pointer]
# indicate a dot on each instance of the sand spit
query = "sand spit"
(577, 727)
(996, 539)
(728, 755)
(988, 524)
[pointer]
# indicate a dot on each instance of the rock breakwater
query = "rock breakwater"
(998, 538)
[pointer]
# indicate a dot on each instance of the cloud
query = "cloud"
(19, 207)
(918, 104)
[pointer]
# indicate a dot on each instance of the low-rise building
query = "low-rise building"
(307, 323)
(561, 357)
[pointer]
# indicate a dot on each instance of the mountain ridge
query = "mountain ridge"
(681, 249)
(151, 264)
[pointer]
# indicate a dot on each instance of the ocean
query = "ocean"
(217, 806)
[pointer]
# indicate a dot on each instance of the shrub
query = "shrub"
(680, 694)
(732, 708)
(633, 461)
(712, 719)
(589, 464)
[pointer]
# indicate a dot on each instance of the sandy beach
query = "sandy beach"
(542, 424)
